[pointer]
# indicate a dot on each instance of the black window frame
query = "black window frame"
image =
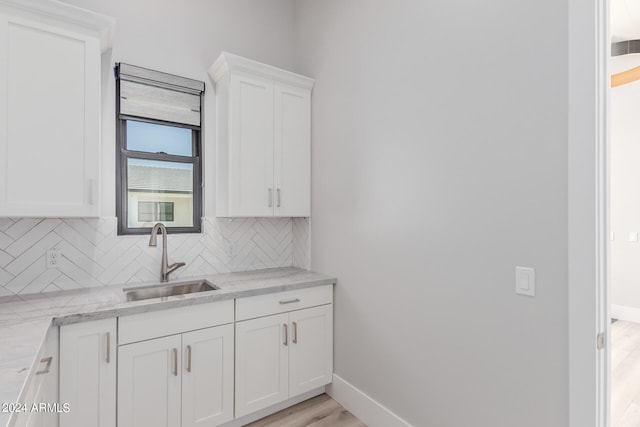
(123, 154)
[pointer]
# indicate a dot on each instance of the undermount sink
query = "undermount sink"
(168, 290)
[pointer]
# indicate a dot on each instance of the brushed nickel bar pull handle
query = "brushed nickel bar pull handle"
(48, 361)
(91, 183)
(270, 197)
(175, 362)
(278, 194)
(108, 358)
(290, 301)
(286, 338)
(188, 358)
(295, 333)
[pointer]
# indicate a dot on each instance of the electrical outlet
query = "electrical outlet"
(54, 258)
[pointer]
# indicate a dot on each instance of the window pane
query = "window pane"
(155, 138)
(159, 192)
(155, 211)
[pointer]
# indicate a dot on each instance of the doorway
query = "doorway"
(624, 208)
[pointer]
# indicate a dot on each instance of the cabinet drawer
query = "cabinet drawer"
(144, 326)
(281, 302)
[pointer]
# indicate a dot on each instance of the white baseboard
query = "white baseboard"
(624, 312)
(367, 410)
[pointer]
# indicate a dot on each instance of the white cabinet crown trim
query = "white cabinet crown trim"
(228, 61)
(77, 19)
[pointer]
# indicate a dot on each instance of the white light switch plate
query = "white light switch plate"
(633, 236)
(526, 281)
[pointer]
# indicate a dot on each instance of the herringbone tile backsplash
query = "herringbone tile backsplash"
(93, 255)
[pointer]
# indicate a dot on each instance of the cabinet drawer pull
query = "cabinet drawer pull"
(270, 197)
(48, 361)
(290, 301)
(278, 194)
(286, 338)
(188, 358)
(108, 358)
(295, 333)
(175, 362)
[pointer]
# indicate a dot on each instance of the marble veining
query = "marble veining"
(25, 320)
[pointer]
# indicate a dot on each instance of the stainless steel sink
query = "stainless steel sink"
(167, 290)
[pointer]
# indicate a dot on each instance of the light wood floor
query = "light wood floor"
(625, 374)
(321, 411)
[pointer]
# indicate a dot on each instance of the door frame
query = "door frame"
(588, 212)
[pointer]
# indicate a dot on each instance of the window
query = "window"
(155, 211)
(158, 167)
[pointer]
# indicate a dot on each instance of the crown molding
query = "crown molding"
(228, 62)
(75, 18)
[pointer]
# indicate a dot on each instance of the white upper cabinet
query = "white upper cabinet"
(50, 108)
(263, 146)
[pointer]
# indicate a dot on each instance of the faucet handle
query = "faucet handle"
(175, 266)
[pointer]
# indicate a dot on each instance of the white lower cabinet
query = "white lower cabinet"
(193, 366)
(149, 383)
(207, 381)
(88, 373)
(281, 356)
(180, 380)
(42, 389)
(262, 363)
(311, 349)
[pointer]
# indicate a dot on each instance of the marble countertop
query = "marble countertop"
(25, 320)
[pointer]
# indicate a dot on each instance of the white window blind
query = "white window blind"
(160, 96)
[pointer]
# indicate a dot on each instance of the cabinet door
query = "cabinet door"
(207, 377)
(149, 386)
(251, 189)
(88, 373)
(49, 144)
(311, 349)
(44, 386)
(261, 363)
(292, 161)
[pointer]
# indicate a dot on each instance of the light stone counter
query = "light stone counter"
(25, 320)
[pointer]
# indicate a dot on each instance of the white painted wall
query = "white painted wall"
(439, 164)
(185, 38)
(625, 192)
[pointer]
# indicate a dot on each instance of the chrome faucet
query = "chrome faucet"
(165, 268)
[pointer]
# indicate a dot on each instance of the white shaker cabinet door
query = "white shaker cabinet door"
(261, 363)
(263, 143)
(292, 159)
(88, 373)
(50, 120)
(311, 349)
(207, 376)
(43, 386)
(251, 189)
(149, 383)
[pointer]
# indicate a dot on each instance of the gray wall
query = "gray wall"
(439, 164)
